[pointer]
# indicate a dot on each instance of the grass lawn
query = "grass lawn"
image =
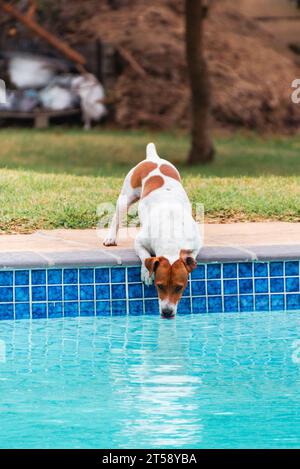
(56, 178)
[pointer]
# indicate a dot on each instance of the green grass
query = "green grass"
(57, 178)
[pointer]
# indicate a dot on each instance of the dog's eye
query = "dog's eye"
(178, 288)
(160, 286)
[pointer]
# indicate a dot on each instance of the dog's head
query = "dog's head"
(170, 279)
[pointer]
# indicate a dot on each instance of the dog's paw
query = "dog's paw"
(110, 242)
(145, 277)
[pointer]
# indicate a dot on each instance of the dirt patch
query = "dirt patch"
(251, 74)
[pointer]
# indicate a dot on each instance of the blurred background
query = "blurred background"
(136, 49)
(119, 67)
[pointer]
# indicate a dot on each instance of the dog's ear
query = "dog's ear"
(188, 260)
(152, 263)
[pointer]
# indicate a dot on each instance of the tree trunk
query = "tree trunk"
(202, 150)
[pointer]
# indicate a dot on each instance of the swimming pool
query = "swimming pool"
(199, 381)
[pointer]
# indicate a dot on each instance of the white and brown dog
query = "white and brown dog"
(169, 239)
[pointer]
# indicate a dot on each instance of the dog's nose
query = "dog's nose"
(167, 313)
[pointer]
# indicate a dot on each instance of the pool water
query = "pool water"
(203, 381)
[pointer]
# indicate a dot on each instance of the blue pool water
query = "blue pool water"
(204, 381)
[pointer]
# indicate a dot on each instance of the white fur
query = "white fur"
(151, 153)
(167, 225)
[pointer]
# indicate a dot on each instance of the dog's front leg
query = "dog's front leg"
(143, 254)
(121, 209)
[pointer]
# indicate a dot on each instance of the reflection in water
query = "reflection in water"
(165, 405)
(203, 381)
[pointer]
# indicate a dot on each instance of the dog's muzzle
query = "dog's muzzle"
(168, 313)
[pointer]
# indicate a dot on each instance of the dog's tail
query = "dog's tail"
(151, 153)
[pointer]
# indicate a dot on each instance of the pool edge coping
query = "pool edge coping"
(128, 257)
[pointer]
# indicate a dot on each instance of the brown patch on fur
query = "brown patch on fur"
(170, 280)
(153, 183)
(141, 171)
(186, 255)
(170, 171)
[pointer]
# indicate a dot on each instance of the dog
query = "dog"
(169, 239)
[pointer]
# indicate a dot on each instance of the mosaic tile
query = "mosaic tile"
(39, 310)
(213, 271)
(199, 304)
(135, 290)
(198, 273)
(38, 277)
(55, 293)
(70, 276)
(198, 288)
(6, 294)
(292, 268)
(102, 308)
(277, 302)
(102, 275)
(55, 309)
(292, 301)
(118, 307)
(247, 286)
(22, 311)
(184, 306)
(21, 294)
(86, 276)
(214, 287)
(54, 276)
(71, 308)
(118, 275)
(246, 303)
(22, 277)
(118, 291)
(70, 292)
(7, 311)
(261, 285)
(150, 292)
(276, 285)
(6, 278)
(38, 293)
(86, 292)
(230, 270)
(276, 269)
(292, 284)
(231, 304)
(230, 287)
(134, 274)
(260, 269)
(151, 307)
(262, 303)
(102, 292)
(136, 307)
(215, 304)
(87, 308)
(245, 269)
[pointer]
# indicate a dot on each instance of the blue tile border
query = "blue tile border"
(103, 291)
